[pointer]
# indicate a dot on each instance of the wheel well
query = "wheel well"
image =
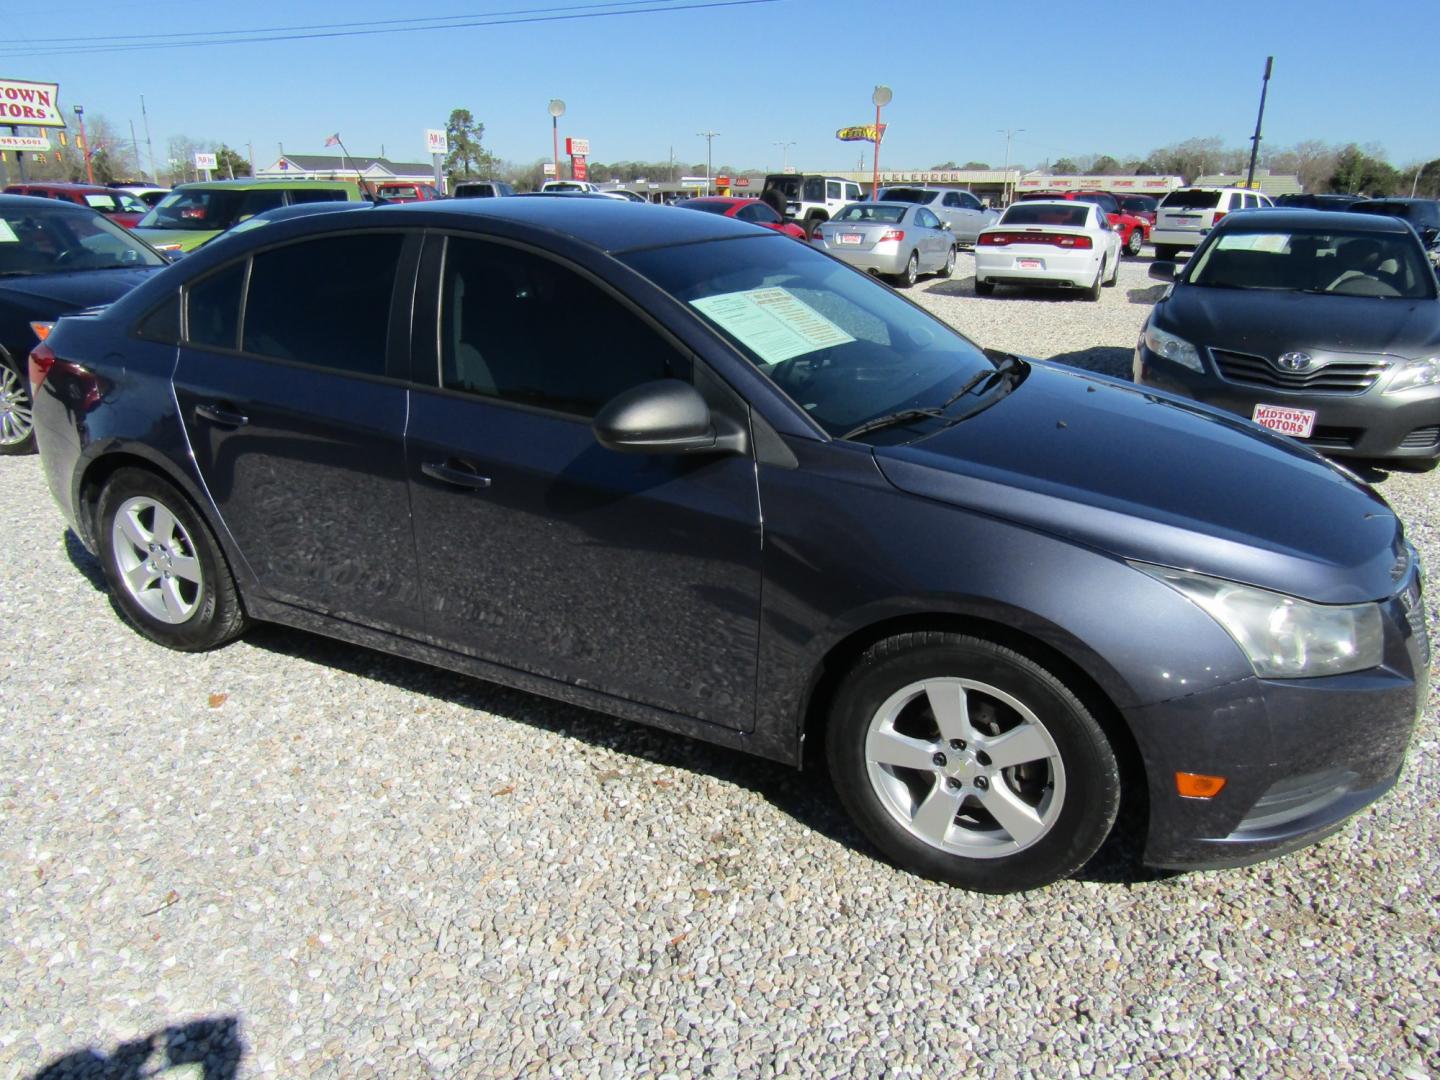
(843, 655)
(98, 475)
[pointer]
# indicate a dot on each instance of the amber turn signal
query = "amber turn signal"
(1197, 785)
(42, 329)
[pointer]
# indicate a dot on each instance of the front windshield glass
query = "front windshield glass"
(46, 241)
(1344, 263)
(871, 212)
(843, 347)
(199, 210)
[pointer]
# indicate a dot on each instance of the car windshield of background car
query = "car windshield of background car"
(845, 348)
(908, 195)
(1046, 214)
(1383, 265)
(1191, 200)
(45, 241)
(106, 204)
(195, 211)
(870, 212)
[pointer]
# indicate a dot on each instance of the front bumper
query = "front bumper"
(1063, 269)
(1299, 756)
(1366, 425)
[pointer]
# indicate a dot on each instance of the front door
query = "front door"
(540, 550)
(297, 427)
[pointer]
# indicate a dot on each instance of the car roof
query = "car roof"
(611, 225)
(250, 184)
(35, 202)
(64, 185)
(1304, 218)
(1067, 203)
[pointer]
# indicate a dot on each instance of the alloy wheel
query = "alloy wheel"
(15, 415)
(157, 560)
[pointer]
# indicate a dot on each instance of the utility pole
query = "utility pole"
(709, 137)
(149, 146)
(1255, 139)
(85, 144)
(1005, 175)
(784, 153)
(135, 144)
(250, 146)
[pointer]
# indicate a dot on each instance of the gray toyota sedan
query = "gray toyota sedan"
(685, 471)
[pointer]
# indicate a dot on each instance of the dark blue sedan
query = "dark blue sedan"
(688, 472)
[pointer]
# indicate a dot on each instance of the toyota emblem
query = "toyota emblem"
(1296, 361)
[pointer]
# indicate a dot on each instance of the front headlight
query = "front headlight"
(1173, 348)
(1414, 373)
(1284, 637)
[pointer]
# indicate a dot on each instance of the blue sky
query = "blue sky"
(1097, 77)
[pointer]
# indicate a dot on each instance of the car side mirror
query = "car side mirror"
(946, 226)
(666, 416)
(1429, 235)
(1162, 271)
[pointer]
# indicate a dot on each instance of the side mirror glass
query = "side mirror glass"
(1162, 271)
(664, 417)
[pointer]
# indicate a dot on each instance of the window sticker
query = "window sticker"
(773, 323)
(7, 234)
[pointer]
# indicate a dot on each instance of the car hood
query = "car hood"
(1269, 323)
(59, 293)
(1150, 477)
(186, 239)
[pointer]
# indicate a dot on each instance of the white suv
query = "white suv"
(1187, 215)
(810, 198)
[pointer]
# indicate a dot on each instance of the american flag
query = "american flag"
(333, 139)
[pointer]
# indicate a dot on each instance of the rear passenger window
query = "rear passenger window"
(212, 308)
(323, 195)
(257, 202)
(162, 324)
(524, 329)
(324, 302)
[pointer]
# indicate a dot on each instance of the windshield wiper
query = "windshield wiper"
(1007, 365)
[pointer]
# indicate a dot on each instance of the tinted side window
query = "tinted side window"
(324, 302)
(759, 212)
(833, 189)
(521, 328)
(162, 324)
(212, 308)
(257, 202)
(970, 202)
(322, 195)
(952, 198)
(926, 218)
(814, 191)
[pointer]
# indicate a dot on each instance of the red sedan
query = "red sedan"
(120, 207)
(751, 210)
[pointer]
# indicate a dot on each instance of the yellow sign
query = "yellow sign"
(859, 133)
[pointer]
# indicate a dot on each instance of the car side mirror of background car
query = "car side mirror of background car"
(666, 416)
(1162, 271)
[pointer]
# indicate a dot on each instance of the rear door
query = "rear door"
(290, 386)
(541, 550)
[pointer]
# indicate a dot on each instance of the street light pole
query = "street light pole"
(881, 96)
(1255, 139)
(1005, 176)
(85, 143)
(709, 137)
(557, 110)
(784, 153)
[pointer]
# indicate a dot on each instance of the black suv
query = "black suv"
(1422, 214)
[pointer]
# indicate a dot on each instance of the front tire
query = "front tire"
(967, 762)
(1135, 242)
(17, 428)
(166, 571)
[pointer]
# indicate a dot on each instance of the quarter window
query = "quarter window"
(524, 329)
(324, 302)
(212, 308)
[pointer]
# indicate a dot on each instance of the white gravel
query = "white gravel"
(296, 858)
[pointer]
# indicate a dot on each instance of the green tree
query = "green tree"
(1359, 172)
(1064, 167)
(975, 165)
(1105, 165)
(229, 163)
(945, 166)
(467, 156)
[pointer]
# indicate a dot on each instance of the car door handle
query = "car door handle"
(453, 472)
(225, 417)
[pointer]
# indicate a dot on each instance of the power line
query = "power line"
(373, 28)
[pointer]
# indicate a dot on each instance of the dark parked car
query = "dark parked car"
(1308, 201)
(692, 473)
(55, 257)
(1321, 325)
(1422, 214)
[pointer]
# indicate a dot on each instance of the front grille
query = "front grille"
(1334, 438)
(1422, 438)
(1335, 377)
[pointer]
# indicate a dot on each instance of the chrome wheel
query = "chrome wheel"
(15, 422)
(156, 560)
(1136, 241)
(965, 767)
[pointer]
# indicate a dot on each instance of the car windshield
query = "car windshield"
(1099, 198)
(908, 195)
(110, 203)
(45, 241)
(1046, 214)
(1191, 200)
(1343, 263)
(402, 191)
(845, 348)
(1138, 203)
(200, 210)
(871, 212)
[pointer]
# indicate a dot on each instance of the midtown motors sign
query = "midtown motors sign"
(30, 104)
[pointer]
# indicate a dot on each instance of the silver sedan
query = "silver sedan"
(896, 240)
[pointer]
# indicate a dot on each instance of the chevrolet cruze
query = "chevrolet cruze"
(685, 471)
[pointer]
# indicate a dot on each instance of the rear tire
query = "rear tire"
(967, 762)
(1093, 292)
(166, 571)
(1166, 252)
(812, 226)
(984, 288)
(17, 428)
(910, 274)
(949, 268)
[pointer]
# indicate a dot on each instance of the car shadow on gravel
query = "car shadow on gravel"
(1149, 295)
(805, 795)
(212, 1043)
(82, 560)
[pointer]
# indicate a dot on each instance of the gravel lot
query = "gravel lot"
(297, 858)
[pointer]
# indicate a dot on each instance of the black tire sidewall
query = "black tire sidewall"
(27, 444)
(1091, 771)
(218, 618)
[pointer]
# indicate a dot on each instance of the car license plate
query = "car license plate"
(1297, 422)
(850, 238)
(1030, 264)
